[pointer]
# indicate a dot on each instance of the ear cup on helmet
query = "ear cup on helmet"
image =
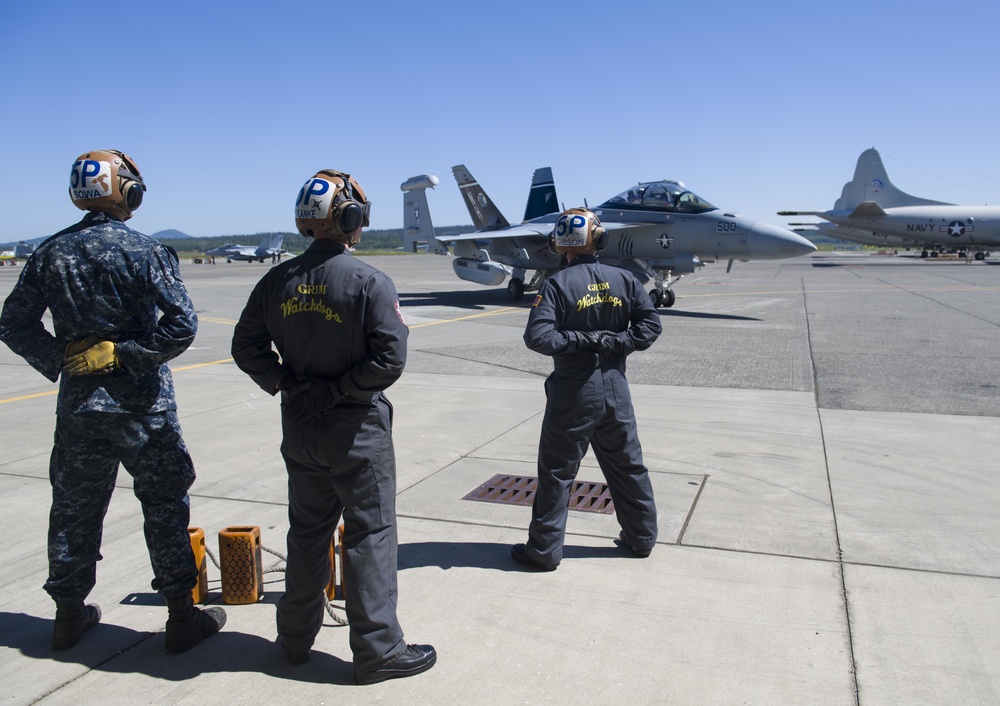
(351, 217)
(133, 195)
(600, 235)
(552, 243)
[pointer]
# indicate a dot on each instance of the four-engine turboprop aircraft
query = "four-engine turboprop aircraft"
(870, 209)
(658, 230)
(269, 247)
(22, 251)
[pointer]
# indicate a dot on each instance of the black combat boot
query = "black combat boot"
(72, 620)
(187, 625)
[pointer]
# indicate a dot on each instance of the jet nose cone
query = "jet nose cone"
(767, 242)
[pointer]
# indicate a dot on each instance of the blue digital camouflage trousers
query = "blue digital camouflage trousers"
(84, 465)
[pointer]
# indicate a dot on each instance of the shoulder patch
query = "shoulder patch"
(538, 300)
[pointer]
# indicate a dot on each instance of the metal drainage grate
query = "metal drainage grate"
(520, 490)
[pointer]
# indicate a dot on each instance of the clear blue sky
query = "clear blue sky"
(229, 107)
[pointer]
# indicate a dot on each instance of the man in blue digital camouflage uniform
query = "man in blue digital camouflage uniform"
(588, 317)
(340, 342)
(103, 285)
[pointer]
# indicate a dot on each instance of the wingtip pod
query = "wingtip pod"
(422, 181)
(417, 226)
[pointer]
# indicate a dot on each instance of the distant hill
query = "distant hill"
(170, 234)
(382, 239)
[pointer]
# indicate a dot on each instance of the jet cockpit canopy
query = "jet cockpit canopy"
(668, 196)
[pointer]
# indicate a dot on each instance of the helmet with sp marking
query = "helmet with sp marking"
(106, 181)
(578, 230)
(332, 204)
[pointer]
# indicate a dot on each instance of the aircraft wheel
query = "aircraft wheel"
(515, 289)
(671, 298)
(656, 296)
(980, 256)
(923, 253)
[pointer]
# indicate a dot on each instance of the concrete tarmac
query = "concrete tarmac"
(821, 434)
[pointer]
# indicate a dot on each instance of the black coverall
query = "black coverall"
(588, 400)
(334, 320)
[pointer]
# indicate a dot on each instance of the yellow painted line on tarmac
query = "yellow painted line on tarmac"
(213, 320)
(472, 316)
(689, 294)
(49, 393)
(200, 365)
(29, 397)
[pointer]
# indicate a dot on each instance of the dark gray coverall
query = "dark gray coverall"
(100, 277)
(588, 400)
(334, 319)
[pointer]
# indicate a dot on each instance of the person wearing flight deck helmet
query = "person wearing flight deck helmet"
(341, 342)
(588, 317)
(119, 312)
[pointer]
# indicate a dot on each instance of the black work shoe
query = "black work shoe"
(641, 552)
(519, 553)
(66, 632)
(184, 634)
(416, 659)
(292, 654)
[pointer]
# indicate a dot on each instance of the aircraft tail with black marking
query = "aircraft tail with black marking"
(485, 214)
(542, 198)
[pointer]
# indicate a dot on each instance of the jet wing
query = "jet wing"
(540, 230)
(536, 229)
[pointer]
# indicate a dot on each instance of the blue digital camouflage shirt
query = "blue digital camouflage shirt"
(100, 277)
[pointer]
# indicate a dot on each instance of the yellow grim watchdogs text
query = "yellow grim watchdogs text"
(604, 298)
(311, 306)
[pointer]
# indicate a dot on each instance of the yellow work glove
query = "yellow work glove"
(98, 358)
(79, 346)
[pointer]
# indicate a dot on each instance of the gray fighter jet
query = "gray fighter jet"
(270, 246)
(659, 230)
(871, 210)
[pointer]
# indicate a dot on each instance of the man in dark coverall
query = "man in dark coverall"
(588, 317)
(340, 342)
(104, 284)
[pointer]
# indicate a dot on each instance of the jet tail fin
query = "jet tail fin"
(542, 198)
(485, 214)
(417, 225)
(871, 185)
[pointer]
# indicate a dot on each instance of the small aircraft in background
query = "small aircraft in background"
(871, 210)
(658, 230)
(270, 247)
(22, 251)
